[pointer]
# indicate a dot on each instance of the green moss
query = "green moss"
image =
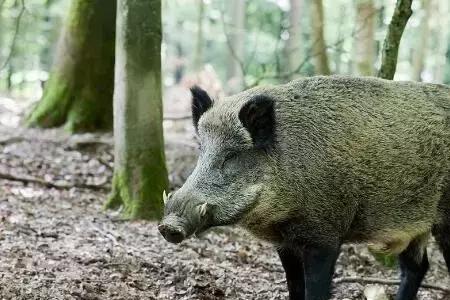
(51, 111)
(387, 260)
(138, 192)
(78, 111)
(80, 90)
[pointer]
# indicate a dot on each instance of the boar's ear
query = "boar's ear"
(201, 102)
(258, 117)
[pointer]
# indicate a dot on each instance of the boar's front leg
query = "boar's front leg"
(292, 262)
(319, 264)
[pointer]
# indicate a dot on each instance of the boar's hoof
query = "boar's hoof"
(171, 234)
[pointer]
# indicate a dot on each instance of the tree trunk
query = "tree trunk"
(235, 75)
(447, 65)
(419, 51)
(319, 48)
(140, 174)
(339, 48)
(79, 90)
(198, 54)
(441, 11)
(293, 44)
(365, 37)
(391, 44)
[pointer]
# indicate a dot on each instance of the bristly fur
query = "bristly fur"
(201, 102)
(258, 117)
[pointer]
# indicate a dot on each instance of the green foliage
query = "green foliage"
(32, 50)
(266, 33)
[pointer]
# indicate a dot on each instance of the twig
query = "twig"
(386, 282)
(176, 118)
(18, 139)
(49, 184)
(115, 242)
(16, 33)
(105, 163)
(108, 235)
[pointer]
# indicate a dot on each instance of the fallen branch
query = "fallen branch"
(386, 282)
(175, 118)
(49, 184)
(115, 241)
(105, 163)
(11, 140)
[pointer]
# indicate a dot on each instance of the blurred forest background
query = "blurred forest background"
(239, 44)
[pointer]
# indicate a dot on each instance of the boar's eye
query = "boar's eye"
(229, 157)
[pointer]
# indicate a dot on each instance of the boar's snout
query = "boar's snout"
(172, 233)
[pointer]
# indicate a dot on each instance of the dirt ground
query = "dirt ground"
(57, 242)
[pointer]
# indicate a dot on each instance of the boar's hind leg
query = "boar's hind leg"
(293, 266)
(319, 268)
(413, 266)
(442, 235)
(441, 230)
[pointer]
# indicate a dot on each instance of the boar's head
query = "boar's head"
(237, 136)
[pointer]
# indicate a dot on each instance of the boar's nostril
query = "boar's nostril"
(162, 228)
(171, 234)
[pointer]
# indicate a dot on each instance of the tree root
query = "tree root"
(49, 184)
(386, 282)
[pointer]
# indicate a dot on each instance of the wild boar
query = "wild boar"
(318, 162)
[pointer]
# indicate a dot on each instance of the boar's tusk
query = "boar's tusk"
(203, 209)
(164, 196)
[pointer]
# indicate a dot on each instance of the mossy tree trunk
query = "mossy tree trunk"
(79, 91)
(140, 174)
(391, 44)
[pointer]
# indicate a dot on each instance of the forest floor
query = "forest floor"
(57, 242)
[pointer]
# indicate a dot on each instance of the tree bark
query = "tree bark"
(447, 65)
(319, 48)
(419, 51)
(365, 37)
(293, 44)
(391, 44)
(235, 75)
(140, 174)
(80, 88)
